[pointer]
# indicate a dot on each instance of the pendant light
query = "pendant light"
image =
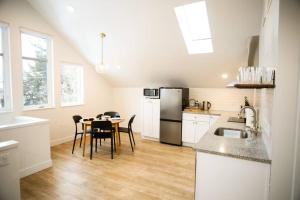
(100, 68)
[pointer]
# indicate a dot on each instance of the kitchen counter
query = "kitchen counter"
(248, 149)
(202, 112)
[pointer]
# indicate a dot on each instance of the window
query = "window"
(193, 22)
(37, 74)
(5, 86)
(71, 85)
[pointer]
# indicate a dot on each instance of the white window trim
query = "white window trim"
(50, 71)
(81, 103)
(8, 99)
(191, 44)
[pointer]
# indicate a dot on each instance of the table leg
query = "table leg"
(118, 135)
(84, 138)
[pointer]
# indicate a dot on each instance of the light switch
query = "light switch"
(4, 159)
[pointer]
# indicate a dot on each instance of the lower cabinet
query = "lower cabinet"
(151, 118)
(194, 126)
(227, 178)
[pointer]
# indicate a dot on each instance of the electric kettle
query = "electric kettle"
(206, 105)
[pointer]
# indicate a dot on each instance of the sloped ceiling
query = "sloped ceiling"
(144, 39)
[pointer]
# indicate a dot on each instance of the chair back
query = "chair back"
(98, 126)
(99, 116)
(112, 114)
(130, 121)
(77, 118)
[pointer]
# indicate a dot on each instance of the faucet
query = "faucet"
(254, 122)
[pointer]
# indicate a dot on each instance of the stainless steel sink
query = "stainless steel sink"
(231, 133)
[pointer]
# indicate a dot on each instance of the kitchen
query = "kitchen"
(215, 117)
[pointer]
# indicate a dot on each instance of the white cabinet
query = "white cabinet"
(188, 131)
(151, 118)
(194, 126)
(227, 178)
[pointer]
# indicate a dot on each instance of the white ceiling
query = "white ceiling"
(144, 38)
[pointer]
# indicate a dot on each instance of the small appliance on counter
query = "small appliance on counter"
(206, 105)
(151, 93)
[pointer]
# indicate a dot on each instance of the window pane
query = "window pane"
(71, 84)
(197, 20)
(1, 83)
(35, 83)
(33, 47)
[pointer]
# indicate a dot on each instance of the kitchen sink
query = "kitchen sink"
(231, 133)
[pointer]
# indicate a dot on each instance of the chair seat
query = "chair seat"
(123, 129)
(88, 131)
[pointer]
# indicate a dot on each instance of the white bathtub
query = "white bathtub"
(34, 142)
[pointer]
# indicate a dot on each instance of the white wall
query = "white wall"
(128, 101)
(226, 99)
(19, 13)
(268, 57)
(284, 117)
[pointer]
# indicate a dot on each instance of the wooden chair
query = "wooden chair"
(76, 119)
(129, 131)
(102, 129)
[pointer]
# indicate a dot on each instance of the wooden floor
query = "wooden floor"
(153, 171)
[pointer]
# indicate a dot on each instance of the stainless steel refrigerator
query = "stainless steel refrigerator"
(172, 103)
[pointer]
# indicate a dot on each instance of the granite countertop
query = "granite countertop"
(248, 149)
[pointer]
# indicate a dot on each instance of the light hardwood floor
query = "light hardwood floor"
(153, 171)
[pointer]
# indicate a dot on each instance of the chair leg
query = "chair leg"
(100, 141)
(80, 140)
(132, 136)
(91, 152)
(111, 146)
(96, 145)
(114, 139)
(74, 143)
(130, 141)
(119, 135)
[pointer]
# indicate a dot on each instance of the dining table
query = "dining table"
(88, 123)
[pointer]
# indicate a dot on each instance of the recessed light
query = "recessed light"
(224, 76)
(118, 67)
(70, 9)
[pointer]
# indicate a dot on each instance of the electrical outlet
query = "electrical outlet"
(4, 159)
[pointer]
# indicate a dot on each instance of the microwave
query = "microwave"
(151, 92)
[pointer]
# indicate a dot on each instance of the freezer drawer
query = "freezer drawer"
(170, 132)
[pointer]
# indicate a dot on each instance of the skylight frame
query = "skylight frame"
(198, 39)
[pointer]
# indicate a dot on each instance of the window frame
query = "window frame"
(193, 46)
(50, 68)
(7, 85)
(81, 102)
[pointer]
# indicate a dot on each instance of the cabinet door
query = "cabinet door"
(156, 118)
(188, 131)
(213, 119)
(201, 129)
(147, 118)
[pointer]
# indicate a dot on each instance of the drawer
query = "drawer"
(196, 117)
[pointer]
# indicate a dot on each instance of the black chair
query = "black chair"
(112, 114)
(129, 131)
(76, 119)
(102, 129)
(99, 116)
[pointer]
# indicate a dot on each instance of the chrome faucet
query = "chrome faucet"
(254, 122)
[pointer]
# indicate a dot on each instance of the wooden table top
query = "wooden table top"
(113, 121)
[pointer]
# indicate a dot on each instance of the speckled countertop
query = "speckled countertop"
(248, 149)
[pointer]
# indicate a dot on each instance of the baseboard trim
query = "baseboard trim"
(35, 168)
(62, 140)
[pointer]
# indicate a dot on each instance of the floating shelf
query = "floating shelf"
(253, 86)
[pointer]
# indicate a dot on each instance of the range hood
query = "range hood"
(253, 51)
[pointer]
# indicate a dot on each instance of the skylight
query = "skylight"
(193, 22)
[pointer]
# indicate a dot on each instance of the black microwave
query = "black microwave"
(151, 92)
